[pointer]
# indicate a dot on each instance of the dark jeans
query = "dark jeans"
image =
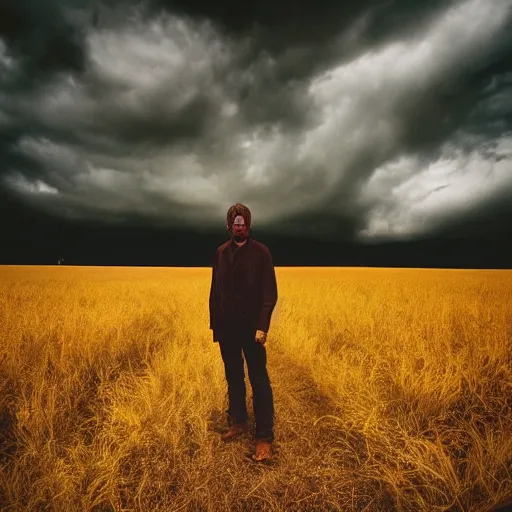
(231, 346)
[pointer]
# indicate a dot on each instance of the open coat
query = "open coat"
(243, 290)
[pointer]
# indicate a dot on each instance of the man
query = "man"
(243, 295)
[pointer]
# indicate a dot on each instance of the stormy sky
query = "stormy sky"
(360, 122)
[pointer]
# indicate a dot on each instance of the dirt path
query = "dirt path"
(313, 466)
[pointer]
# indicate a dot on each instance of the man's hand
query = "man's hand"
(261, 337)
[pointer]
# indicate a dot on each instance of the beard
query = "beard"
(239, 238)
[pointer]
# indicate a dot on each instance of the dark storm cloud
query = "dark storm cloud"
(367, 119)
(41, 38)
(277, 26)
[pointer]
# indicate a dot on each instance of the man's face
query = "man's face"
(239, 229)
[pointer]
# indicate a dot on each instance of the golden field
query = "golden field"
(392, 391)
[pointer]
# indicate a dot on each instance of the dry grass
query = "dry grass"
(392, 389)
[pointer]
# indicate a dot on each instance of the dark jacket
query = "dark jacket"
(244, 287)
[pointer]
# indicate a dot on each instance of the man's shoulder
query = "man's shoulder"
(223, 249)
(261, 249)
(260, 246)
(255, 244)
(223, 246)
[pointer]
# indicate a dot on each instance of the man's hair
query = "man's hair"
(239, 209)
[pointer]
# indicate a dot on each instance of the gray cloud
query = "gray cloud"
(41, 39)
(391, 121)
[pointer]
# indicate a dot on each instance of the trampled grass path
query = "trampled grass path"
(315, 465)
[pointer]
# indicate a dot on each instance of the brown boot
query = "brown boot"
(262, 450)
(237, 429)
